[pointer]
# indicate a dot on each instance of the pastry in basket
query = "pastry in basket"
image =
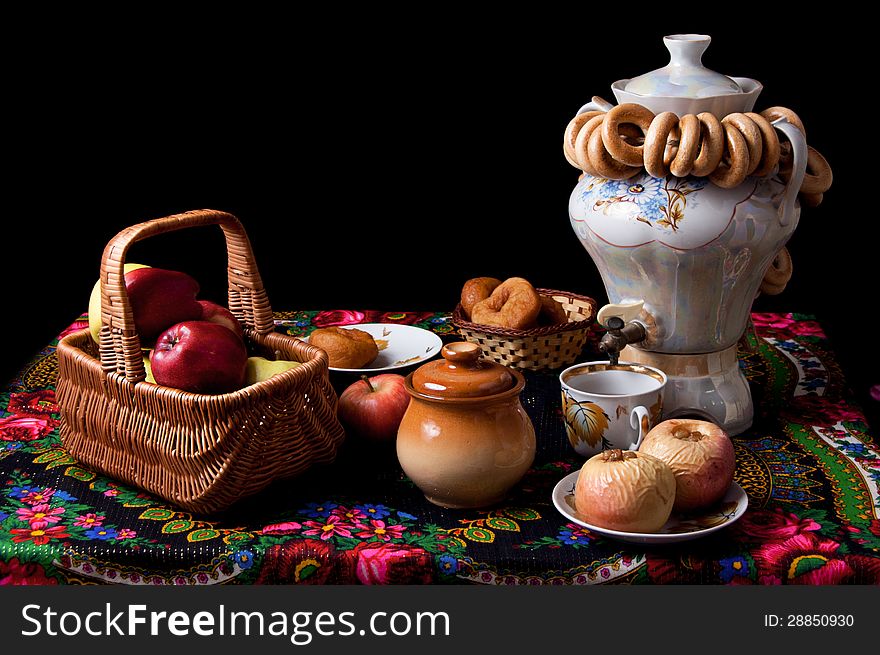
(475, 290)
(524, 327)
(346, 347)
(513, 304)
(552, 312)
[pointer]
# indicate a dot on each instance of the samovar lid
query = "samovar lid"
(684, 76)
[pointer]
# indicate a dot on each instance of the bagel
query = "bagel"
(811, 199)
(733, 172)
(571, 134)
(513, 304)
(818, 177)
(688, 146)
(772, 150)
(617, 147)
(475, 290)
(778, 273)
(775, 113)
(581, 144)
(629, 139)
(752, 135)
(711, 147)
(346, 347)
(656, 139)
(604, 162)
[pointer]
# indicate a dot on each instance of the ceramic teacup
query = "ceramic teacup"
(608, 406)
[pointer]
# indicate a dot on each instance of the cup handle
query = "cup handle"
(637, 418)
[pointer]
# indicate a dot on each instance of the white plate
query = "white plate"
(677, 528)
(399, 346)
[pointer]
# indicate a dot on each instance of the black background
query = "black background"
(380, 161)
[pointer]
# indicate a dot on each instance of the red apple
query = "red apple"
(201, 357)
(372, 408)
(215, 313)
(159, 299)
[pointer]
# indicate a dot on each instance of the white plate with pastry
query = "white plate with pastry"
(398, 346)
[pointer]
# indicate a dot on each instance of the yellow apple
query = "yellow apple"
(95, 304)
(260, 368)
(149, 369)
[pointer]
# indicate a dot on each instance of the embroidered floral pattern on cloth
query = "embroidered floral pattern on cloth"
(809, 466)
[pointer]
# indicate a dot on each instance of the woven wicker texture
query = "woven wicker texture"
(200, 452)
(539, 348)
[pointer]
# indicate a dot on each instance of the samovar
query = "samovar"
(682, 256)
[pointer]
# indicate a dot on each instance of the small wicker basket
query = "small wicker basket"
(539, 348)
(200, 452)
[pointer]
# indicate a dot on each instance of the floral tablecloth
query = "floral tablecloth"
(809, 466)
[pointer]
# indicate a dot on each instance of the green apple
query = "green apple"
(95, 304)
(260, 368)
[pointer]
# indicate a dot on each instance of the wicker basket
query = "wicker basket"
(200, 452)
(540, 348)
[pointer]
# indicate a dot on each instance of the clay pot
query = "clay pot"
(465, 439)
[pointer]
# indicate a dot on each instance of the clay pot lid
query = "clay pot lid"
(462, 373)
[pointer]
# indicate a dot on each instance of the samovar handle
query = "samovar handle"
(798, 168)
(596, 104)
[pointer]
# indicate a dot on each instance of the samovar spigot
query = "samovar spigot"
(619, 335)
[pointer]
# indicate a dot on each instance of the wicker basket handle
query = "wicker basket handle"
(120, 347)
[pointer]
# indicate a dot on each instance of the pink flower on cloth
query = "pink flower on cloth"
(285, 527)
(24, 428)
(807, 329)
(378, 530)
(352, 515)
(769, 320)
(89, 520)
(765, 525)
(394, 564)
(843, 412)
(39, 516)
(38, 497)
(809, 559)
(76, 326)
(333, 526)
(820, 410)
(787, 323)
(16, 572)
(337, 317)
(804, 559)
(125, 533)
(34, 403)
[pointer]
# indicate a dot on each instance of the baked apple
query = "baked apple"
(625, 490)
(701, 457)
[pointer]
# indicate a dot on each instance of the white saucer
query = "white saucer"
(677, 528)
(399, 346)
